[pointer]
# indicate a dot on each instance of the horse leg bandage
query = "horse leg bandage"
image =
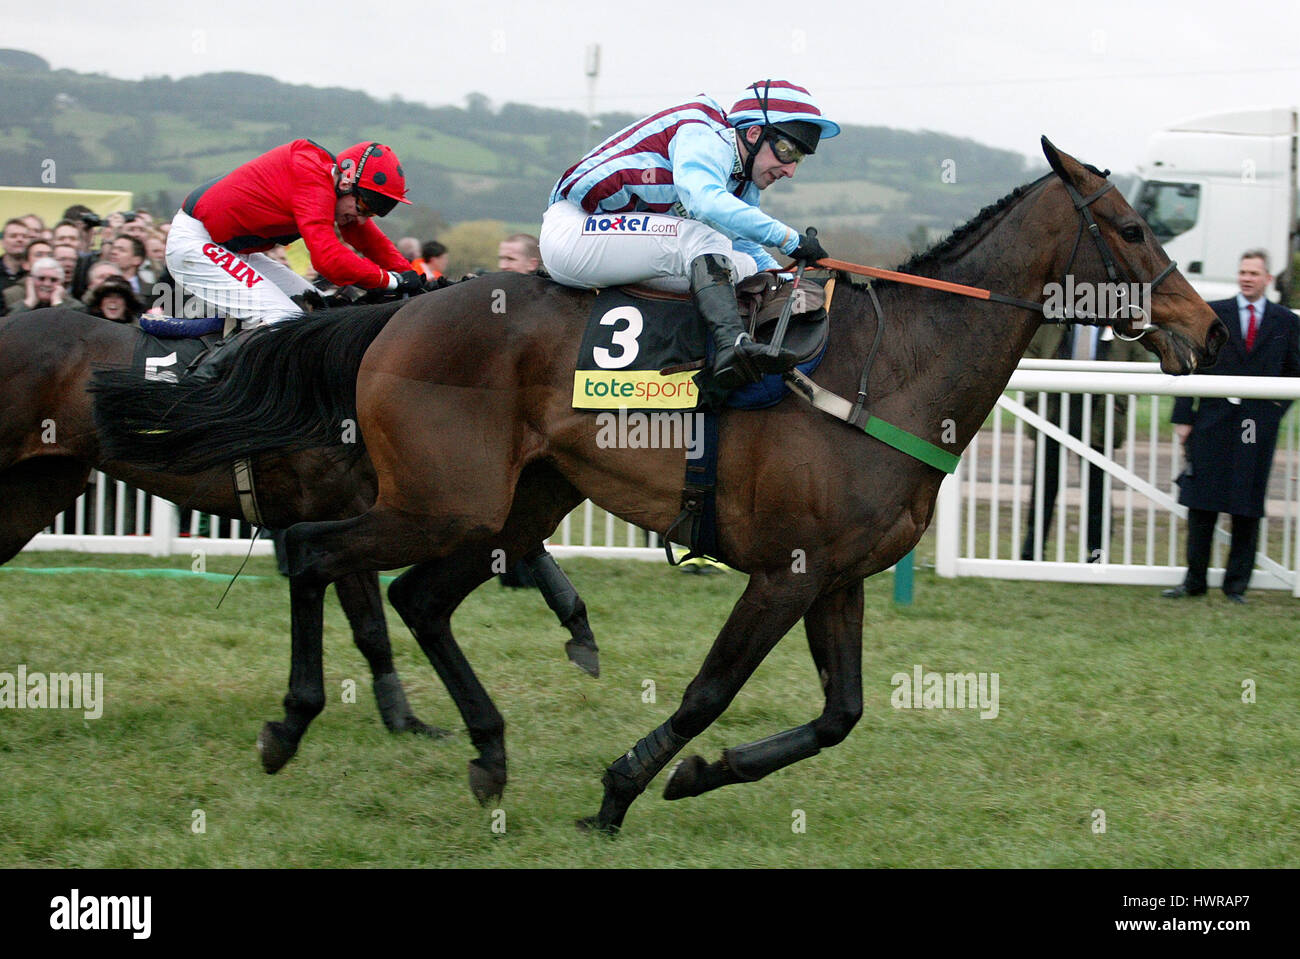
(643, 761)
(755, 760)
(555, 586)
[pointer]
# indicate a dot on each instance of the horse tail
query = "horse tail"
(291, 386)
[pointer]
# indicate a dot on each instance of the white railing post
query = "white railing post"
(947, 525)
(164, 517)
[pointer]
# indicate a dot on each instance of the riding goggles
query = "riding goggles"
(370, 203)
(784, 149)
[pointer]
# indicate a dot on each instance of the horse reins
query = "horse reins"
(1082, 205)
(855, 414)
(912, 279)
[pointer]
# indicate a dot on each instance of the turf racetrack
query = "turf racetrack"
(1121, 737)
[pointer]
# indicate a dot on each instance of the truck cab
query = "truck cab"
(1215, 186)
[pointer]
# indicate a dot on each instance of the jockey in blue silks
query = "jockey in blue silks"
(672, 201)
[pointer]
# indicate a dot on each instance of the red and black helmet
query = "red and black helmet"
(373, 172)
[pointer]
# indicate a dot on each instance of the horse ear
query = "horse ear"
(1053, 157)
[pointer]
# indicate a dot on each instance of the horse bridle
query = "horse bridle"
(1087, 221)
(1083, 205)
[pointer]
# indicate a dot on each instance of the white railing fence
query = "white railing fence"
(983, 514)
(982, 520)
(111, 517)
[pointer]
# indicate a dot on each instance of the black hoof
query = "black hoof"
(684, 780)
(487, 784)
(275, 748)
(584, 655)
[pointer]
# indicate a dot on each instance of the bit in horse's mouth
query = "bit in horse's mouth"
(1179, 356)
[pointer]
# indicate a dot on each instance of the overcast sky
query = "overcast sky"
(1096, 77)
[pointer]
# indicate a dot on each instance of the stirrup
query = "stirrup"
(764, 358)
(733, 368)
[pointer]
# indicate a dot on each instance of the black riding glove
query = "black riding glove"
(436, 283)
(809, 249)
(411, 282)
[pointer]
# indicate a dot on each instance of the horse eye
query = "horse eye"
(1132, 234)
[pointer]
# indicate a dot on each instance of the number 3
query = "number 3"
(624, 339)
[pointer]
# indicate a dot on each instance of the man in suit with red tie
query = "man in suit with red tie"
(1230, 442)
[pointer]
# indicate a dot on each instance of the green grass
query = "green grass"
(1111, 699)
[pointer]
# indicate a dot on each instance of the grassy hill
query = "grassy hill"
(161, 137)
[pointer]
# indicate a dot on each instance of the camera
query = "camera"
(128, 216)
(91, 219)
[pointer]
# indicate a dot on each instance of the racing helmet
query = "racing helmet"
(373, 173)
(782, 107)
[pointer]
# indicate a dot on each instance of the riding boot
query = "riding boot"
(737, 359)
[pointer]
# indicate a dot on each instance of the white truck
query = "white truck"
(1215, 186)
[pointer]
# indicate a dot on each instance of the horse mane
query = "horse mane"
(942, 251)
(291, 386)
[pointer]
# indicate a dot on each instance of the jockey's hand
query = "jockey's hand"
(411, 282)
(436, 283)
(809, 249)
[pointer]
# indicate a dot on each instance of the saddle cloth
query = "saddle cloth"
(642, 349)
(162, 357)
(174, 347)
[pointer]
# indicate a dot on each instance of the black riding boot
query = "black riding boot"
(737, 359)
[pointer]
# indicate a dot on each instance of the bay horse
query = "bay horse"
(49, 445)
(459, 401)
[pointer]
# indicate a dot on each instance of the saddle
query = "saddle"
(762, 298)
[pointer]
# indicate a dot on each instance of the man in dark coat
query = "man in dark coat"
(1229, 442)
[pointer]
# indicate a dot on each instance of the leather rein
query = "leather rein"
(855, 414)
(1087, 221)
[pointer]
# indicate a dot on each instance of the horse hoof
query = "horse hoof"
(585, 656)
(274, 748)
(593, 824)
(684, 777)
(486, 783)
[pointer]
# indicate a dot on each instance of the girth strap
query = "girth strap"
(245, 493)
(699, 499)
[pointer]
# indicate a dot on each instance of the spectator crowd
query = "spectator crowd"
(114, 266)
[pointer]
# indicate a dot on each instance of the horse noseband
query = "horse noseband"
(1086, 220)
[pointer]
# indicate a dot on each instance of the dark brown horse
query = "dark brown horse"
(48, 446)
(459, 404)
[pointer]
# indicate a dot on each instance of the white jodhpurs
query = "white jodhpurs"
(251, 288)
(610, 249)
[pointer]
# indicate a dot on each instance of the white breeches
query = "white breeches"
(249, 287)
(610, 249)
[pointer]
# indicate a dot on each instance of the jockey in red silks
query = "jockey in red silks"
(214, 249)
(672, 201)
